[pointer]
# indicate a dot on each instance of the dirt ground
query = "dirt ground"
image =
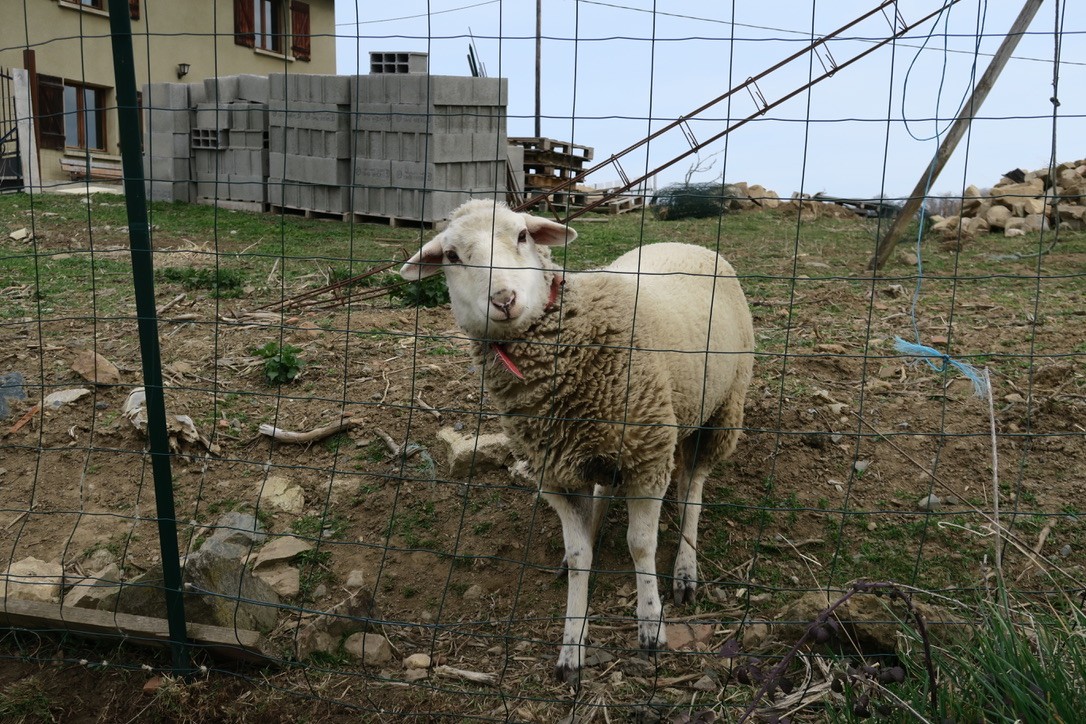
(842, 435)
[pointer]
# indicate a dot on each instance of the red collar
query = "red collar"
(499, 348)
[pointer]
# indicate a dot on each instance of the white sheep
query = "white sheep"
(614, 380)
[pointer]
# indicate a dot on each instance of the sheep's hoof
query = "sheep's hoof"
(568, 674)
(652, 642)
(683, 591)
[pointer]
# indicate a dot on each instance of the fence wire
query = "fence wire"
(355, 540)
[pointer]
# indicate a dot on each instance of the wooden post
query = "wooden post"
(954, 135)
(538, 67)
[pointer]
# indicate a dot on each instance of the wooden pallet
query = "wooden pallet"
(549, 144)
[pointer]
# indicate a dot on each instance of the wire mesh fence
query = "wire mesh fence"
(242, 459)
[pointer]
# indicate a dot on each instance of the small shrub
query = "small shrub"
(429, 292)
(280, 365)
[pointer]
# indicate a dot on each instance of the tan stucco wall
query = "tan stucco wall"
(74, 44)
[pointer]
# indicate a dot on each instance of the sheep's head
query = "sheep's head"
(497, 267)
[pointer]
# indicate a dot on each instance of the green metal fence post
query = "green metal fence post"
(143, 280)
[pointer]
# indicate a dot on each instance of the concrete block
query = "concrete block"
(287, 166)
(221, 90)
(175, 145)
(251, 140)
(237, 117)
(327, 171)
(213, 116)
(255, 88)
(209, 138)
(374, 173)
(277, 87)
(451, 147)
(336, 145)
(170, 191)
(197, 94)
(258, 117)
(410, 175)
(163, 121)
(296, 90)
(370, 202)
(273, 190)
(207, 164)
(369, 144)
(376, 89)
(246, 188)
(412, 89)
(167, 169)
(173, 96)
(371, 117)
(336, 89)
(488, 147)
(490, 91)
(277, 139)
(452, 90)
(303, 114)
(406, 118)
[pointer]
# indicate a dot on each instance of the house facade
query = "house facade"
(65, 47)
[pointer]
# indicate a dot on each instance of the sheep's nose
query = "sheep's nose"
(504, 299)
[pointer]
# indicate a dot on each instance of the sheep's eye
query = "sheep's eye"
(523, 236)
(452, 256)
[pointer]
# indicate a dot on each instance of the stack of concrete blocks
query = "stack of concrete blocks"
(166, 160)
(229, 141)
(425, 144)
(309, 163)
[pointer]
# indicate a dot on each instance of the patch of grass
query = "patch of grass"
(1013, 667)
(222, 282)
(25, 701)
(416, 524)
(316, 526)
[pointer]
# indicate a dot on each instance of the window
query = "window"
(262, 24)
(71, 114)
(268, 25)
(84, 117)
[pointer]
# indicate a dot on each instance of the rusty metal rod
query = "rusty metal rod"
(752, 81)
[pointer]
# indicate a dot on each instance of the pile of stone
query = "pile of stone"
(1022, 202)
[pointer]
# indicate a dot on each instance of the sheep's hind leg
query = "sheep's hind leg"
(641, 537)
(574, 512)
(685, 581)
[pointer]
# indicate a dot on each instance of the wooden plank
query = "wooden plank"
(237, 644)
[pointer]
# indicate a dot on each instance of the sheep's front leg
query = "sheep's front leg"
(575, 513)
(641, 537)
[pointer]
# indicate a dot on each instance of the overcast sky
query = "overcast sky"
(613, 71)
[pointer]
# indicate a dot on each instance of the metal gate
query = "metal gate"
(11, 168)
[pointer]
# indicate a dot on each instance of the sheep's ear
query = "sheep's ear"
(547, 232)
(425, 263)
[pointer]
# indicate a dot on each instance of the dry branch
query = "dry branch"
(302, 438)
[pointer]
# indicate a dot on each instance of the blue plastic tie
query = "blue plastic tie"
(929, 355)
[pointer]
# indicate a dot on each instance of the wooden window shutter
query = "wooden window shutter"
(51, 111)
(243, 23)
(134, 9)
(299, 30)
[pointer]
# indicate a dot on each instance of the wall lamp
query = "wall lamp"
(182, 70)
